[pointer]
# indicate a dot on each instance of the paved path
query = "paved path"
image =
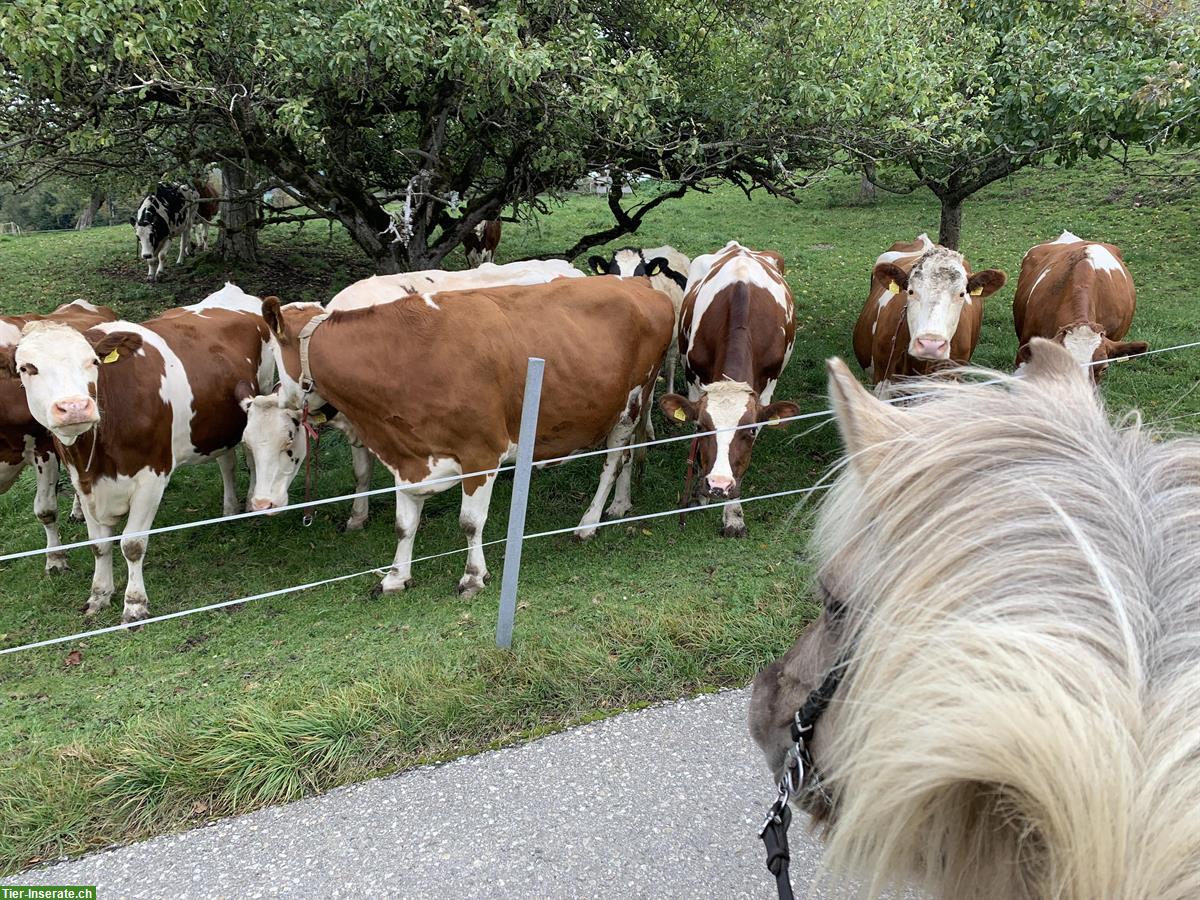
(663, 802)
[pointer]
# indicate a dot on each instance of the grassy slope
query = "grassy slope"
(220, 712)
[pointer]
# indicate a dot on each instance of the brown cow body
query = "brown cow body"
(480, 245)
(737, 329)
(169, 397)
(448, 401)
(1080, 294)
(924, 311)
(23, 441)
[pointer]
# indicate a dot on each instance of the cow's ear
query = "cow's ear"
(114, 346)
(866, 422)
(677, 408)
(986, 283)
(1119, 349)
(273, 316)
(657, 266)
(598, 265)
(777, 259)
(8, 362)
(243, 393)
(891, 274)
(774, 414)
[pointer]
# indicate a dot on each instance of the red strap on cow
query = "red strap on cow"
(312, 463)
(686, 499)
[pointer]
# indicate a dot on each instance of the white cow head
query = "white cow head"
(938, 287)
(628, 263)
(59, 369)
(722, 458)
(150, 226)
(274, 438)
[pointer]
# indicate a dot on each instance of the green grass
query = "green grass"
(222, 712)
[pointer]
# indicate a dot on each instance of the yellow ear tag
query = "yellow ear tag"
(977, 292)
(774, 420)
(112, 357)
(680, 415)
(318, 418)
(893, 288)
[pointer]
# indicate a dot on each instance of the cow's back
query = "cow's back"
(443, 375)
(1062, 285)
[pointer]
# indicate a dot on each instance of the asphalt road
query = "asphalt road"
(664, 802)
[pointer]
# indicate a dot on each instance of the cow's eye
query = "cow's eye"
(29, 369)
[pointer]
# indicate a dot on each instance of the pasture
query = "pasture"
(221, 712)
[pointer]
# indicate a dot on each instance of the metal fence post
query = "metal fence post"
(520, 499)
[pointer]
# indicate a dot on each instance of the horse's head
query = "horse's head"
(1010, 582)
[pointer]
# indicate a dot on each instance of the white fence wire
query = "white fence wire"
(804, 491)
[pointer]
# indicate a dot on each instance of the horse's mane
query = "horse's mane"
(1022, 716)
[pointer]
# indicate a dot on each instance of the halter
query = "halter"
(800, 774)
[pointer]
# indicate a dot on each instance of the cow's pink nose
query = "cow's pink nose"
(720, 483)
(932, 346)
(258, 504)
(74, 410)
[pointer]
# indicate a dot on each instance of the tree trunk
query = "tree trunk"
(866, 187)
(951, 224)
(88, 216)
(239, 216)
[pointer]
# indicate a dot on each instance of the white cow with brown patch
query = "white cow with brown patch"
(127, 404)
(1080, 294)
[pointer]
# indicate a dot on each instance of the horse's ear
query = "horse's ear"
(864, 420)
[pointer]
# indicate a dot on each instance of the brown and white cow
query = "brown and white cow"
(924, 311)
(208, 205)
(127, 404)
(1080, 294)
(667, 270)
(273, 420)
(433, 384)
(23, 441)
(480, 245)
(736, 333)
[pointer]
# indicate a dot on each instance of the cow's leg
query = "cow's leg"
(253, 483)
(617, 439)
(476, 498)
(228, 463)
(142, 508)
(408, 517)
(162, 262)
(672, 364)
(185, 243)
(733, 525)
(45, 507)
(102, 574)
(362, 461)
(76, 506)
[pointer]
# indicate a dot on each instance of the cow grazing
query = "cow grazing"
(273, 421)
(1080, 294)
(923, 312)
(23, 441)
(448, 400)
(166, 213)
(667, 270)
(736, 333)
(480, 245)
(127, 404)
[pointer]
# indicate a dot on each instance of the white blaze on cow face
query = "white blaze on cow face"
(274, 439)
(1082, 342)
(723, 407)
(937, 292)
(59, 371)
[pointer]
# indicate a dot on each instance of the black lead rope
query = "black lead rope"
(798, 771)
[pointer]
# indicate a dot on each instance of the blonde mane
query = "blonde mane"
(1022, 715)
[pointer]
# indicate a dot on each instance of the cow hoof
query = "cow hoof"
(76, 515)
(94, 604)
(583, 535)
(733, 531)
(353, 525)
(470, 585)
(135, 614)
(617, 512)
(57, 565)
(394, 588)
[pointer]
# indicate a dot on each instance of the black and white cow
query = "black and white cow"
(168, 212)
(669, 277)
